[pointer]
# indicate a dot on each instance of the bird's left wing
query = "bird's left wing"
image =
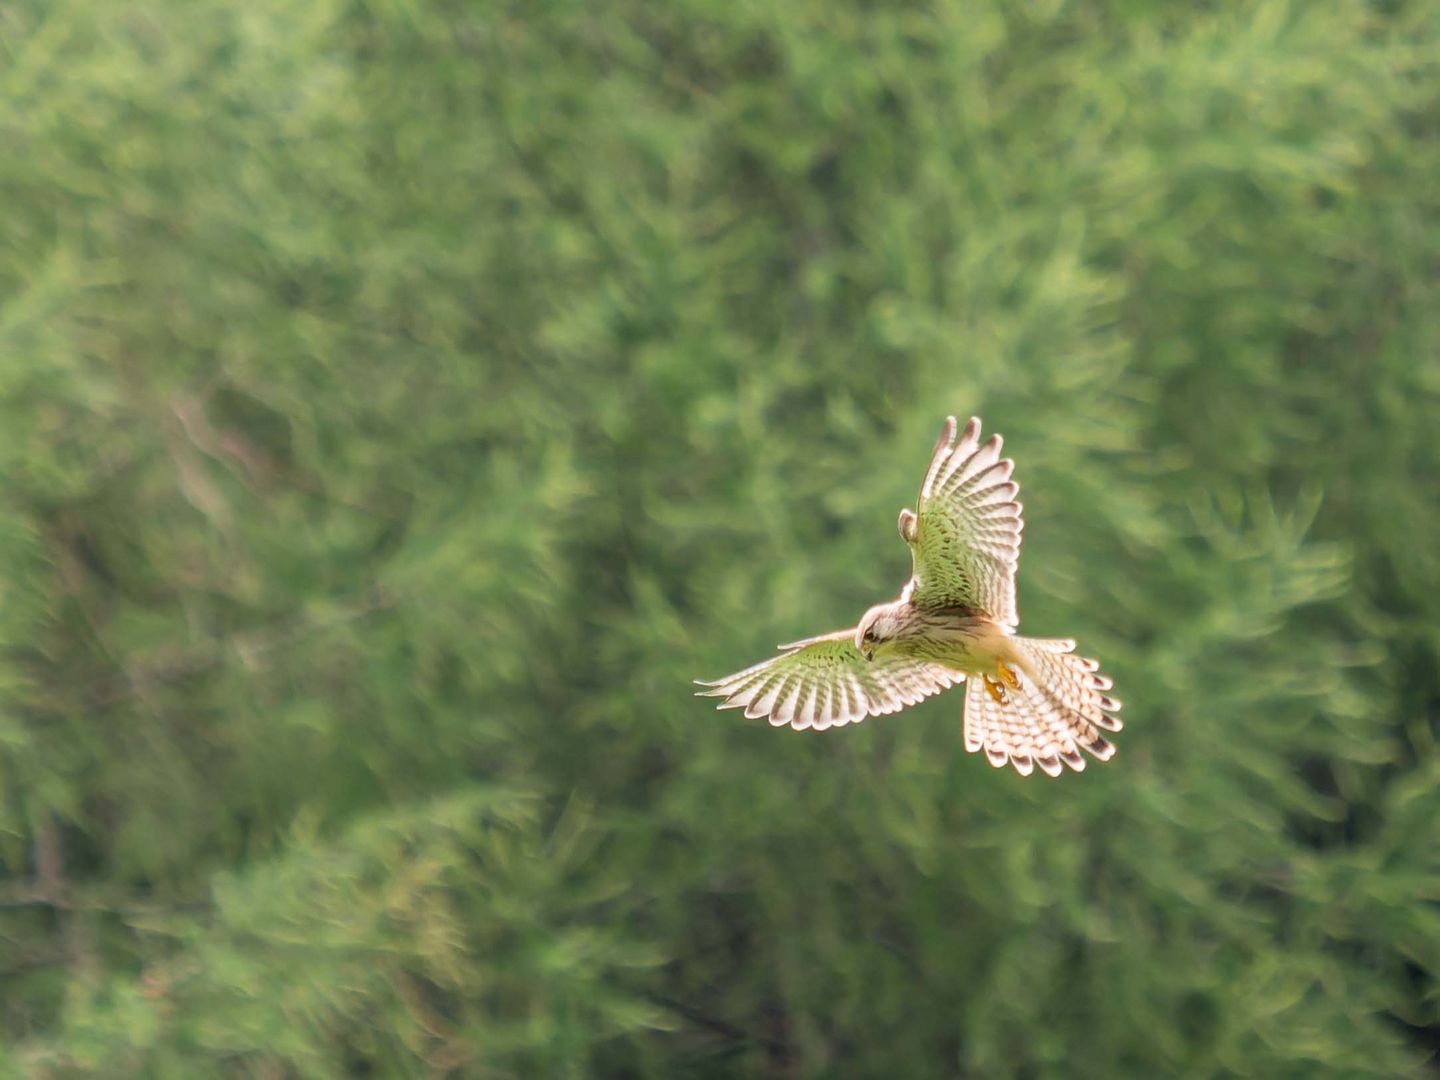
(824, 682)
(965, 534)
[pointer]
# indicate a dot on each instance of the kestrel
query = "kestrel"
(1029, 701)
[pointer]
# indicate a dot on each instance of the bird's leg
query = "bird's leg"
(996, 690)
(1008, 674)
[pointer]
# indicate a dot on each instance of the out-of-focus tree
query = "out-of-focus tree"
(401, 404)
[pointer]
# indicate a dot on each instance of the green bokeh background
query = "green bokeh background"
(400, 402)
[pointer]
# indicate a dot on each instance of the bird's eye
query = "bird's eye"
(869, 635)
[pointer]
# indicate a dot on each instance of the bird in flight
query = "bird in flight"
(1028, 701)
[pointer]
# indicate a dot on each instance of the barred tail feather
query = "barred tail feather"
(1061, 705)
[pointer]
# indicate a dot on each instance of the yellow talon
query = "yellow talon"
(996, 690)
(1008, 675)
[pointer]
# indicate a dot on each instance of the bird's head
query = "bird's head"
(877, 628)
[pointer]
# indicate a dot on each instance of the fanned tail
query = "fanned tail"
(1058, 710)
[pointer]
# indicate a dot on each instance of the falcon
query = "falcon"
(1028, 701)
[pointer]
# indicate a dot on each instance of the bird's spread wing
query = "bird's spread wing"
(965, 536)
(824, 682)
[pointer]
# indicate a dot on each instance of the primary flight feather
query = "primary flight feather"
(1034, 702)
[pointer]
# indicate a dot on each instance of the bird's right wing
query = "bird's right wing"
(824, 682)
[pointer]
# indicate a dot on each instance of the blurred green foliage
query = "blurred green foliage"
(400, 403)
